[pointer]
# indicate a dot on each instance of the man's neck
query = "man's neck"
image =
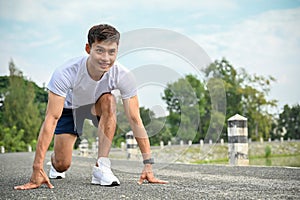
(93, 73)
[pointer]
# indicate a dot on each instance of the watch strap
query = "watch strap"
(148, 161)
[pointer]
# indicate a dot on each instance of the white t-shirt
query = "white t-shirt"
(73, 82)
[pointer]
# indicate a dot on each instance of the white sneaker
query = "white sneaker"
(53, 174)
(102, 175)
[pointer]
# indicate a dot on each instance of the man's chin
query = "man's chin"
(105, 68)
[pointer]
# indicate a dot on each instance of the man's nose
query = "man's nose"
(105, 56)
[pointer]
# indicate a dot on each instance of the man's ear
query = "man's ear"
(87, 48)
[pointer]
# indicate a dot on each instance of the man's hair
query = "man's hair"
(103, 32)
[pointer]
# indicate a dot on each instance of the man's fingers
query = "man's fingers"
(142, 178)
(50, 186)
(31, 185)
(47, 180)
(151, 179)
(157, 181)
(26, 186)
(19, 187)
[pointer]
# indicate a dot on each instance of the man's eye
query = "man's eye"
(99, 50)
(112, 52)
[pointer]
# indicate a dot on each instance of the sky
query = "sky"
(261, 36)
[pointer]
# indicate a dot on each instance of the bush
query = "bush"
(268, 151)
(11, 139)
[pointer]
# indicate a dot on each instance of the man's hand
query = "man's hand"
(148, 175)
(38, 178)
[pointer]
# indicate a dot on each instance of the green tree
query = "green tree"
(289, 122)
(185, 101)
(89, 132)
(12, 139)
(228, 105)
(123, 125)
(158, 131)
(4, 83)
(20, 109)
(256, 106)
(232, 81)
(215, 110)
(41, 98)
(156, 127)
(246, 95)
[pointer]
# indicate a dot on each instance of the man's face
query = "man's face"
(103, 54)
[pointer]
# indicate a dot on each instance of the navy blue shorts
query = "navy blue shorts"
(71, 120)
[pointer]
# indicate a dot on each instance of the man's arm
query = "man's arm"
(131, 107)
(53, 113)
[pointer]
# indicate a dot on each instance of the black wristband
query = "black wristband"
(148, 161)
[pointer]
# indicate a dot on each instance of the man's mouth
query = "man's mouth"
(104, 65)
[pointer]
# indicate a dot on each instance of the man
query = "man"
(79, 89)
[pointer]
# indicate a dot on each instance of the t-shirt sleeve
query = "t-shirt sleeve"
(127, 85)
(60, 82)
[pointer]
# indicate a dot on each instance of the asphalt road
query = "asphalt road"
(185, 181)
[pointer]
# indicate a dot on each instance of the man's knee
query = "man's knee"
(60, 165)
(106, 104)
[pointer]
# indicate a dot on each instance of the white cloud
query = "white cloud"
(56, 30)
(63, 12)
(267, 44)
(188, 5)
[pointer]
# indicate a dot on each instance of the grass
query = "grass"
(254, 160)
(268, 154)
(280, 160)
(218, 161)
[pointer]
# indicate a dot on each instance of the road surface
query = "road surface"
(185, 181)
